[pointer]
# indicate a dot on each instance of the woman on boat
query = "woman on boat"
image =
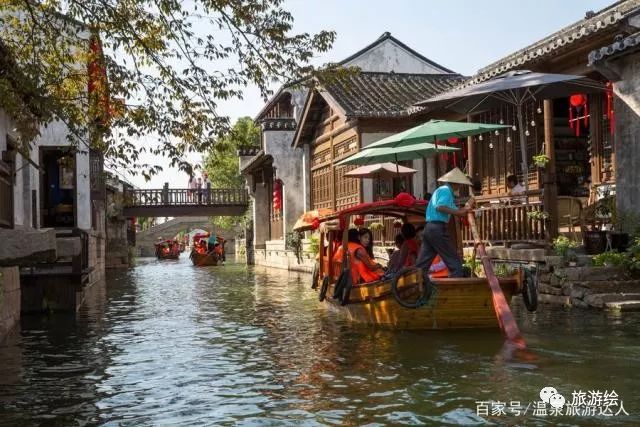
(366, 239)
(363, 267)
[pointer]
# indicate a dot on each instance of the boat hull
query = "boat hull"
(457, 303)
(201, 260)
(168, 256)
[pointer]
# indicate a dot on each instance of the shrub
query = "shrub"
(611, 258)
(562, 245)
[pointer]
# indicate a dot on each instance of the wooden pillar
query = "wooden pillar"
(550, 184)
(471, 161)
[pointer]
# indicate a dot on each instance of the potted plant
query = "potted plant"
(538, 215)
(376, 226)
(541, 160)
(563, 246)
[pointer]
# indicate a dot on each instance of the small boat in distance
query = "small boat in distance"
(407, 300)
(167, 249)
(202, 255)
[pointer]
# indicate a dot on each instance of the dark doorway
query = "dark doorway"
(58, 188)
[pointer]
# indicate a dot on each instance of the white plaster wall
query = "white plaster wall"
(288, 163)
(389, 56)
(55, 135)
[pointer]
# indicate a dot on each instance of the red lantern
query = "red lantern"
(359, 221)
(277, 195)
(315, 224)
(397, 224)
(579, 102)
(453, 140)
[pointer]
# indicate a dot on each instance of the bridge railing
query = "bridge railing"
(185, 197)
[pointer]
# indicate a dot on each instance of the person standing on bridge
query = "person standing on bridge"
(199, 187)
(192, 187)
(206, 184)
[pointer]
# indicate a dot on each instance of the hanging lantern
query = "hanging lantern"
(578, 101)
(453, 140)
(397, 224)
(315, 224)
(277, 195)
(358, 221)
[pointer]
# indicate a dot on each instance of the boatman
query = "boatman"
(436, 239)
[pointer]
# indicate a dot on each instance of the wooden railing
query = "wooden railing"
(184, 197)
(6, 196)
(507, 224)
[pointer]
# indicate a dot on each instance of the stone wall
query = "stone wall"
(276, 256)
(9, 300)
(627, 135)
(584, 286)
(117, 248)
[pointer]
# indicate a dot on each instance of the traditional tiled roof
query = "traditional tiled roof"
(624, 45)
(368, 94)
(387, 36)
(278, 124)
(560, 41)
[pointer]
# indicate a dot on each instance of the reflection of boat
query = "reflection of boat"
(167, 249)
(202, 254)
(406, 301)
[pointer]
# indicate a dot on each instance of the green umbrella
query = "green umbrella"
(370, 156)
(433, 131)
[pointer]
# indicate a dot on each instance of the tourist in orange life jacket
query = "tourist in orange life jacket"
(366, 239)
(363, 267)
(409, 250)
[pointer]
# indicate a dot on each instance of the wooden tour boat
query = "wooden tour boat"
(167, 249)
(200, 256)
(407, 301)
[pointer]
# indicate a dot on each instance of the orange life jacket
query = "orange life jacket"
(438, 268)
(412, 254)
(359, 270)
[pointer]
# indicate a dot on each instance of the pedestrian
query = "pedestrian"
(206, 185)
(199, 187)
(436, 239)
(192, 187)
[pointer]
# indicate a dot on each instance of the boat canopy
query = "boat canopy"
(404, 205)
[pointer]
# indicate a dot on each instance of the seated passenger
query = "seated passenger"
(366, 239)
(409, 250)
(395, 260)
(363, 267)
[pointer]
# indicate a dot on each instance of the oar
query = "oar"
(503, 312)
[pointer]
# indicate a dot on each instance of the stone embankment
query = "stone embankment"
(584, 286)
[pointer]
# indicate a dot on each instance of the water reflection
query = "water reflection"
(166, 343)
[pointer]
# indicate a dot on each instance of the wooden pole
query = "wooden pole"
(505, 317)
(550, 183)
(470, 157)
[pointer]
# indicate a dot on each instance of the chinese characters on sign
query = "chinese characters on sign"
(592, 403)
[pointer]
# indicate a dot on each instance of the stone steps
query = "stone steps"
(601, 300)
(633, 305)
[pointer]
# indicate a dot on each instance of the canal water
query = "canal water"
(165, 343)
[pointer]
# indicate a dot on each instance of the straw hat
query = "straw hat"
(455, 176)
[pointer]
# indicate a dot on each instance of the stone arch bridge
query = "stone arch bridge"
(146, 238)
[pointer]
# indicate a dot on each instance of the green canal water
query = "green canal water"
(169, 344)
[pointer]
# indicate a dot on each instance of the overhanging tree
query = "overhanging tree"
(169, 63)
(222, 162)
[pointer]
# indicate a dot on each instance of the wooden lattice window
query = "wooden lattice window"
(321, 185)
(345, 148)
(347, 189)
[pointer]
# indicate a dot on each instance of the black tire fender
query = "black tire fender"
(323, 289)
(396, 294)
(340, 283)
(346, 288)
(315, 276)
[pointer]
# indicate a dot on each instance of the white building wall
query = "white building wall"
(388, 56)
(55, 135)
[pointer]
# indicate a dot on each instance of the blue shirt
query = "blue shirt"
(443, 196)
